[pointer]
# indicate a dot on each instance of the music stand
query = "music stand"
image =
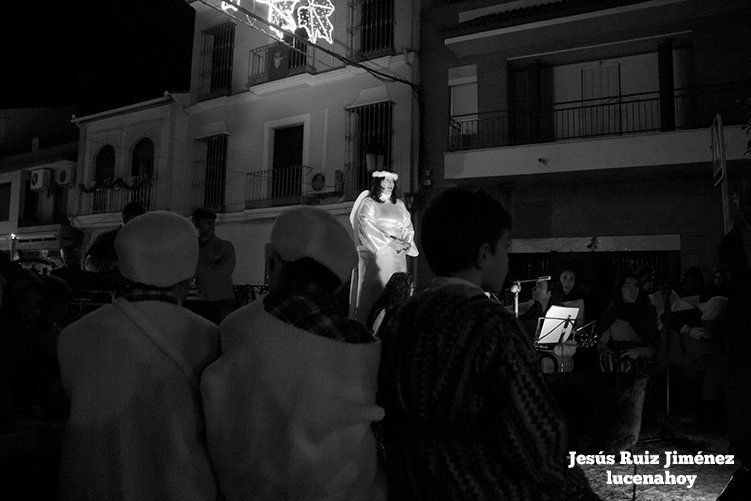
(554, 330)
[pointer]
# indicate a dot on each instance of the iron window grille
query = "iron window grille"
(211, 172)
(369, 130)
(372, 31)
(217, 51)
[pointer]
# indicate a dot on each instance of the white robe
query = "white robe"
(136, 429)
(289, 413)
(377, 226)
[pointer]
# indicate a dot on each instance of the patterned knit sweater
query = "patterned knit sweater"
(468, 415)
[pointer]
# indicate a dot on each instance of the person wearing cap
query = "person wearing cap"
(290, 402)
(101, 256)
(131, 370)
(216, 262)
(384, 237)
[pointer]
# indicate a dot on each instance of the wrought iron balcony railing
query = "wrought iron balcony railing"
(111, 195)
(275, 187)
(690, 108)
(27, 220)
(279, 60)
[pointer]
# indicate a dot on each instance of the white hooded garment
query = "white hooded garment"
(289, 413)
(136, 430)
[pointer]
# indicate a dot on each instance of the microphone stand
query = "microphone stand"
(564, 322)
(516, 288)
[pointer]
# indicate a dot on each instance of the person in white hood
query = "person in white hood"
(132, 370)
(290, 402)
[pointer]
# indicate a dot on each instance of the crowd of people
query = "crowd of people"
(342, 382)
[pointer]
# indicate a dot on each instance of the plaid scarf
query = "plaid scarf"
(135, 294)
(308, 307)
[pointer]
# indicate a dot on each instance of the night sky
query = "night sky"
(94, 54)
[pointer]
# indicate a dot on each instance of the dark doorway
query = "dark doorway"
(286, 178)
(60, 205)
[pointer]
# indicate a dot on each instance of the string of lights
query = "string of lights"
(252, 15)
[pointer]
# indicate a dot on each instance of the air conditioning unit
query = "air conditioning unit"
(66, 176)
(40, 179)
(319, 184)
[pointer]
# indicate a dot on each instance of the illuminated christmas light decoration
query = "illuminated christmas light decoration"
(314, 16)
(228, 8)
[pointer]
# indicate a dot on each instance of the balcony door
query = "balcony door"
(104, 172)
(601, 99)
(286, 176)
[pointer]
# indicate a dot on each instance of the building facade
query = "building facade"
(38, 163)
(590, 121)
(273, 118)
(132, 153)
(278, 121)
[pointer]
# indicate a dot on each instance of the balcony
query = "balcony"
(275, 187)
(692, 108)
(111, 195)
(27, 220)
(279, 60)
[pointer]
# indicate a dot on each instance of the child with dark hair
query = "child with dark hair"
(399, 288)
(468, 415)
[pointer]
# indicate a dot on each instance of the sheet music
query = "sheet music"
(554, 327)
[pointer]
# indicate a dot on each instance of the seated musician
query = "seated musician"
(628, 330)
(541, 295)
(566, 293)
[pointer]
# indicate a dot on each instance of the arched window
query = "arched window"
(143, 158)
(104, 167)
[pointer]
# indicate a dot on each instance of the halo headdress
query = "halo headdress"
(387, 174)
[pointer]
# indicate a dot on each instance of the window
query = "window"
(143, 159)
(104, 165)
(60, 205)
(104, 170)
(211, 171)
(464, 121)
(286, 179)
(5, 201)
(369, 131)
(373, 28)
(217, 51)
(600, 91)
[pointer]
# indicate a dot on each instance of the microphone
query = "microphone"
(538, 279)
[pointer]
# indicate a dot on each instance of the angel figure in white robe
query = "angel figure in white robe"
(384, 237)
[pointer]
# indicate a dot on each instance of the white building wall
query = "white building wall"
(636, 150)
(161, 124)
(320, 101)
(249, 233)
